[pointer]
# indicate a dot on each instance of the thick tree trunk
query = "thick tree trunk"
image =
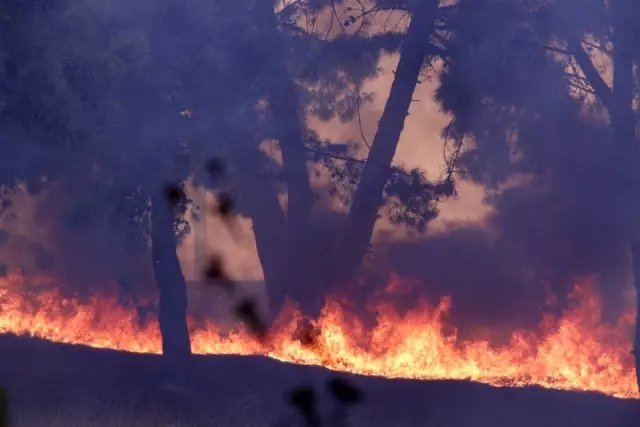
(626, 144)
(619, 103)
(176, 346)
(364, 211)
(635, 259)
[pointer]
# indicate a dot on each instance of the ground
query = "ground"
(65, 386)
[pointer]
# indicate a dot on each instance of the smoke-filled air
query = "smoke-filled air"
(428, 197)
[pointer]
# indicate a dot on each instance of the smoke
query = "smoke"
(541, 234)
(497, 256)
(43, 240)
(500, 274)
(545, 230)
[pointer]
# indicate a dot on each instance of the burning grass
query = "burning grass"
(576, 351)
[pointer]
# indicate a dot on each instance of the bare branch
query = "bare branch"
(600, 87)
(334, 155)
(364, 138)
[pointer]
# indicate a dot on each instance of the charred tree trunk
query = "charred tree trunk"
(368, 197)
(176, 346)
(623, 127)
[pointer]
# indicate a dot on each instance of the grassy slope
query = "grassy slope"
(56, 385)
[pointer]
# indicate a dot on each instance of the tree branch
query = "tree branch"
(600, 87)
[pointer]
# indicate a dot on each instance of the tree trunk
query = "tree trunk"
(269, 229)
(368, 197)
(269, 224)
(283, 278)
(176, 346)
(289, 130)
(283, 101)
(619, 103)
(271, 232)
(626, 145)
(635, 260)
(286, 118)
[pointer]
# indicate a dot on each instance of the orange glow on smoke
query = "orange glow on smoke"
(574, 352)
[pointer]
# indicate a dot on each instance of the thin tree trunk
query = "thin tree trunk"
(283, 101)
(287, 120)
(368, 197)
(269, 230)
(289, 130)
(275, 250)
(272, 235)
(176, 346)
(269, 223)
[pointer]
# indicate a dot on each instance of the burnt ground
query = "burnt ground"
(58, 385)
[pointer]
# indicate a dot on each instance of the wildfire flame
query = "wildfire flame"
(576, 351)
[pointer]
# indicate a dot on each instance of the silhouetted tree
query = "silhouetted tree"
(527, 70)
(298, 69)
(612, 27)
(103, 114)
(415, 50)
(322, 74)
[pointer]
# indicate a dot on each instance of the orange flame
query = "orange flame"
(574, 352)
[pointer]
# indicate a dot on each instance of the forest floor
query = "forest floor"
(53, 385)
